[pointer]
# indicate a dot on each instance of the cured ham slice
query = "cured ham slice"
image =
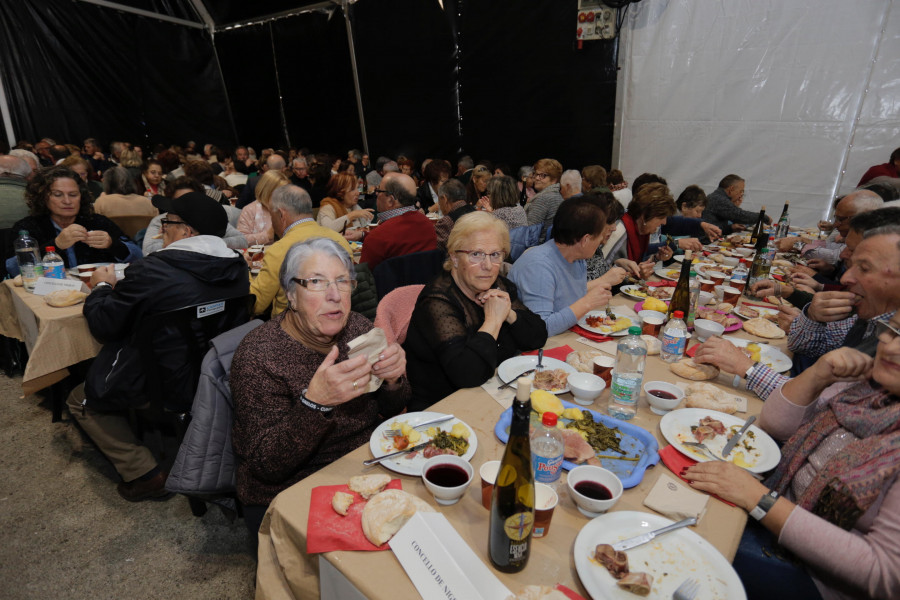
(716, 425)
(576, 448)
(615, 562)
(636, 583)
(702, 432)
(430, 451)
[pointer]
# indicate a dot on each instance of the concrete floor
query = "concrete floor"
(67, 534)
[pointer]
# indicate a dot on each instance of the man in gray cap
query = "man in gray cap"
(194, 266)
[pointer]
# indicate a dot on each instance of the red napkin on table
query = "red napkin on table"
(594, 337)
(559, 353)
(676, 461)
(570, 594)
(664, 283)
(327, 530)
(691, 351)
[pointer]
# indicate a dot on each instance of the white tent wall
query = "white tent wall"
(787, 94)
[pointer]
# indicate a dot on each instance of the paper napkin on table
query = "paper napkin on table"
(675, 500)
(503, 397)
(609, 347)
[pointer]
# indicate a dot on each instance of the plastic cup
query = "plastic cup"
(740, 284)
(603, 366)
(545, 500)
(652, 326)
(718, 278)
(488, 472)
(731, 295)
(707, 285)
(720, 293)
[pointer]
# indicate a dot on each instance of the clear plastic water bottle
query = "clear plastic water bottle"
(53, 264)
(547, 449)
(674, 338)
(740, 274)
(627, 375)
(29, 258)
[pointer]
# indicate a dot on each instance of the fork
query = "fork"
(687, 590)
(705, 449)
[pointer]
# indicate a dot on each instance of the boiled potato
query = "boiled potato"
(460, 430)
(543, 401)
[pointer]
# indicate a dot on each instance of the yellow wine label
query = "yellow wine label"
(525, 494)
(506, 476)
(519, 525)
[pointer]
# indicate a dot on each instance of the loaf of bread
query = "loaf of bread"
(387, 512)
(687, 368)
(764, 328)
(708, 396)
(369, 485)
(61, 298)
(341, 502)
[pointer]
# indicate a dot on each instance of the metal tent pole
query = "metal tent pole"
(7, 120)
(345, 4)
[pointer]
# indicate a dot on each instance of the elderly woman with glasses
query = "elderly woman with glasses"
(833, 501)
(469, 319)
(299, 402)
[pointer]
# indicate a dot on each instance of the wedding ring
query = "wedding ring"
(354, 384)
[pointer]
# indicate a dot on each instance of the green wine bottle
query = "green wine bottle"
(759, 228)
(681, 297)
(512, 504)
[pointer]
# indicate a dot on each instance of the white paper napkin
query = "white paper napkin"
(503, 397)
(673, 499)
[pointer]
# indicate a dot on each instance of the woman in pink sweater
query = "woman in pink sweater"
(838, 503)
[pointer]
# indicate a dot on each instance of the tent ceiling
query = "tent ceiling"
(222, 12)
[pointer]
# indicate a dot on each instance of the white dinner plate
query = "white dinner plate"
(760, 309)
(629, 290)
(380, 445)
(670, 559)
(757, 453)
(607, 329)
(670, 273)
(512, 368)
(772, 357)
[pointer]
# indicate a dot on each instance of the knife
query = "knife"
(737, 437)
(646, 537)
(514, 379)
(373, 461)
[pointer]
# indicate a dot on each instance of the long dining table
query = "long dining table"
(286, 571)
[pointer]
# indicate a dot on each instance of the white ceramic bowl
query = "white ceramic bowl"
(591, 507)
(706, 298)
(447, 495)
(651, 313)
(731, 261)
(585, 387)
(661, 406)
(743, 251)
(704, 328)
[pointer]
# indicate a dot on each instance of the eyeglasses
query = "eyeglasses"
(477, 256)
(166, 222)
(381, 191)
(840, 219)
(317, 284)
(886, 333)
(539, 175)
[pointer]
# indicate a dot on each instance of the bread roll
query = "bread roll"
(653, 344)
(583, 360)
(687, 368)
(387, 512)
(725, 307)
(341, 502)
(708, 396)
(17, 281)
(369, 485)
(61, 298)
(764, 328)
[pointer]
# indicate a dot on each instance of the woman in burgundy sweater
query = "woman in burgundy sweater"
(299, 403)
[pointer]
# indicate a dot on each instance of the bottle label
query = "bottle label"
(55, 272)
(673, 341)
(518, 527)
(624, 390)
(546, 469)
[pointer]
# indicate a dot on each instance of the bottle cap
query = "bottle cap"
(23, 232)
(678, 314)
(51, 248)
(693, 273)
(548, 419)
(634, 330)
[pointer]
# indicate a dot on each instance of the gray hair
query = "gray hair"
(394, 187)
(355, 154)
(300, 159)
(454, 191)
(573, 178)
(300, 252)
(50, 141)
(525, 171)
(115, 148)
(118, 181)
(863, 201)
(14, 166)
(293, 199)
(391, 167)
(27, 156)
(730, 180)
(466, 162)
(275, 162)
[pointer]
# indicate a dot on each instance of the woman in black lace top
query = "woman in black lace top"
(468, 319)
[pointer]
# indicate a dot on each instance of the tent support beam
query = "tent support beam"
(359, 106)
(7, 120)
(279, 15)
(145, 13)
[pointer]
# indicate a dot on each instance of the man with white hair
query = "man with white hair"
(300, 173)
(570, 184)
(14, 174)
(29, 157)
(275, 162)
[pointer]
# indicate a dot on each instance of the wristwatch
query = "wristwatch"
(101, 284)
(764, 505)
(750, 370)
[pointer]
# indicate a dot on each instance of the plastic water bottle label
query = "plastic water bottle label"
(673, 341)
(546, 469)
(625, 390)
(56, 271)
